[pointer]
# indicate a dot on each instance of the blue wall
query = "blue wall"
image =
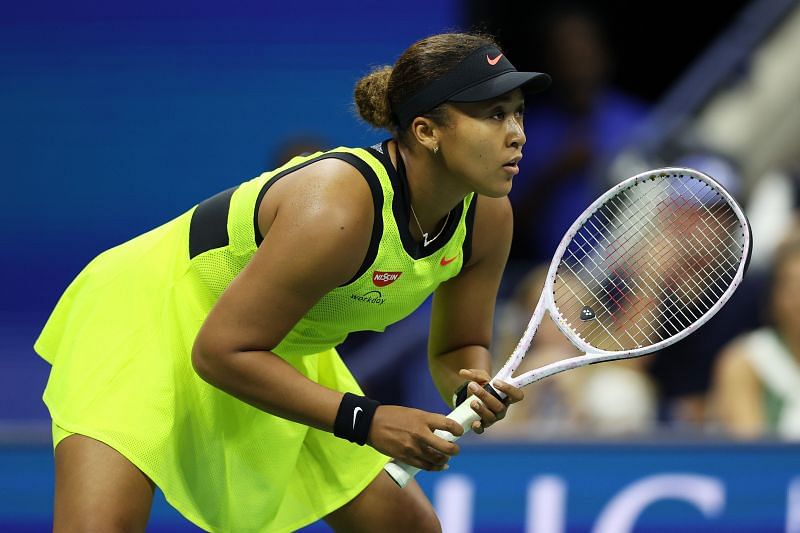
(118, 116)
(554, 488)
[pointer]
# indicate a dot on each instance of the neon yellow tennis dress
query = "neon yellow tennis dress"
(120, 339)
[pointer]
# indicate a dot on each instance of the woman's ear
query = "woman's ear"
(426, 132)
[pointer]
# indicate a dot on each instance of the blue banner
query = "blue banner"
(619, 488)
(538, 488)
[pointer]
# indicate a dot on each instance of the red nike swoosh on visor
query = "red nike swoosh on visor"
(444, 262)
(494, 61)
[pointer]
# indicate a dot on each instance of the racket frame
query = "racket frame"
(591, 354)
(465, 415)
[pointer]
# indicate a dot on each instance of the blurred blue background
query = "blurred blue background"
(118, 116)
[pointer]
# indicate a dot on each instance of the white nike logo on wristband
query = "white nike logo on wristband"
(355, 416)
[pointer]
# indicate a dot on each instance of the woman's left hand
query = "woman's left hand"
(489, 408)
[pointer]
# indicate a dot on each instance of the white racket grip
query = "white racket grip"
(402, 473)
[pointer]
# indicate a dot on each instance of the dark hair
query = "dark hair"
(428, 59)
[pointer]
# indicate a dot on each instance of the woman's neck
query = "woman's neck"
(431, 194)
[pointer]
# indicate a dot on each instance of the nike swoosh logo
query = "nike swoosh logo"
(444, 262)
(355, 415)
(494, 61)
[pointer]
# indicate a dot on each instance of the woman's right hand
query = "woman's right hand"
(407, 435)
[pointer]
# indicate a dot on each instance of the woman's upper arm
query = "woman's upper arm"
(317, 232)
(463, 307)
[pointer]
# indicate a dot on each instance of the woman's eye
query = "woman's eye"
(500, 115)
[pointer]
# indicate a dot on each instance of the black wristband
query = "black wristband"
(354, 418)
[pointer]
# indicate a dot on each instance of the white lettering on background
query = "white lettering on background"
(620, 514)
(793, 506)
(546, 506)
(453, 498)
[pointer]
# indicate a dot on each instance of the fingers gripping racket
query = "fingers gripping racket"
(645, 265)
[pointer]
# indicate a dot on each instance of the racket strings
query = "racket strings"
(693, 293)
(639, 304)
(715, 276)
(626, 294)
(671, 317)
(649, 263)
(717, 252)
(688, 252)
(715, 235)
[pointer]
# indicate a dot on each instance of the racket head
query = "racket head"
(647, 263)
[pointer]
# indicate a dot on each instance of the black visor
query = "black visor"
(485, 73)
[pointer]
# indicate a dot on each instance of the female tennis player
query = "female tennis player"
(200, 357)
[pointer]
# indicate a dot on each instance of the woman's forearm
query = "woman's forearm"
(266, 381)
(444, 368)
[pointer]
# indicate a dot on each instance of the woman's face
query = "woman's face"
(482, 143)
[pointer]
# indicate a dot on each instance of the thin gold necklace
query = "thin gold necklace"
(425, 241)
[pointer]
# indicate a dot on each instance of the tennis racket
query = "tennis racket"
(646, 264)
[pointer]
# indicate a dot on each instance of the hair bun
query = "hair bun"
(372, 98)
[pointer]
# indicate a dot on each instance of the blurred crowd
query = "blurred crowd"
(740, 375)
